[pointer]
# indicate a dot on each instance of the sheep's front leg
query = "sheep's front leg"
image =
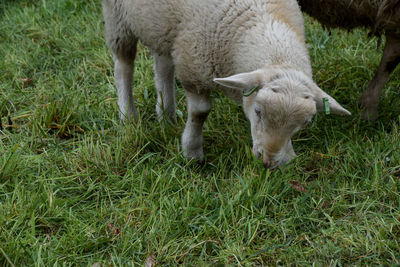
(390, 59)
(199, 105)
(164, 78)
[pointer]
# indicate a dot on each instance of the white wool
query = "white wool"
(255, 42)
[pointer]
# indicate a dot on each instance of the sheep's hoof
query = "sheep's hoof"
(194, 154)
(369, 115)
(128, 117)
(166, 116)
(167, 119)
(370, 109)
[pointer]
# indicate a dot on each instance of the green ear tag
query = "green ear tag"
(326, 106)
(248, 93)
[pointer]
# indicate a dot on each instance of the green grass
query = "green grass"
(77, 187)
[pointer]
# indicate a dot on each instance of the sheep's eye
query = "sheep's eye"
(307, 97)
(274, 90)
(258, 113)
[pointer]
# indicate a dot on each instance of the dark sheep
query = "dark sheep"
(382, 17)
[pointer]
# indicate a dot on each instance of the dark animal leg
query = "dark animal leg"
(390, 59)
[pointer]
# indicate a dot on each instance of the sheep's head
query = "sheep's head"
(285, 101)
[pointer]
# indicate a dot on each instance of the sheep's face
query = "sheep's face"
(275, 115)
(285, 102)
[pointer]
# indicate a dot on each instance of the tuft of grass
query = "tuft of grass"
(77, 187)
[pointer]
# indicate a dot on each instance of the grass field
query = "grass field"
(78, 188)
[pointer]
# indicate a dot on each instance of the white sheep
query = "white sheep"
(257, 43)
(381, 17)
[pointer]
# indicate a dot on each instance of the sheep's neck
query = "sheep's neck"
(266, 45)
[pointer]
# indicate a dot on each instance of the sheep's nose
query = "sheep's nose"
(268, 163)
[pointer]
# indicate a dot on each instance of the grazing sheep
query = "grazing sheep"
(381, 17)
(257, 43)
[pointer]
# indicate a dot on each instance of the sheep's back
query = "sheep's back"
(378, 15)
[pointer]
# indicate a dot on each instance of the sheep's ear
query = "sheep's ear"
(247, 80)
(334, 106)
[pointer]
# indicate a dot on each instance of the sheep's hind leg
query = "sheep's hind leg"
(165, 85)
(199, 105)
(390, 59)
(123, 73)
